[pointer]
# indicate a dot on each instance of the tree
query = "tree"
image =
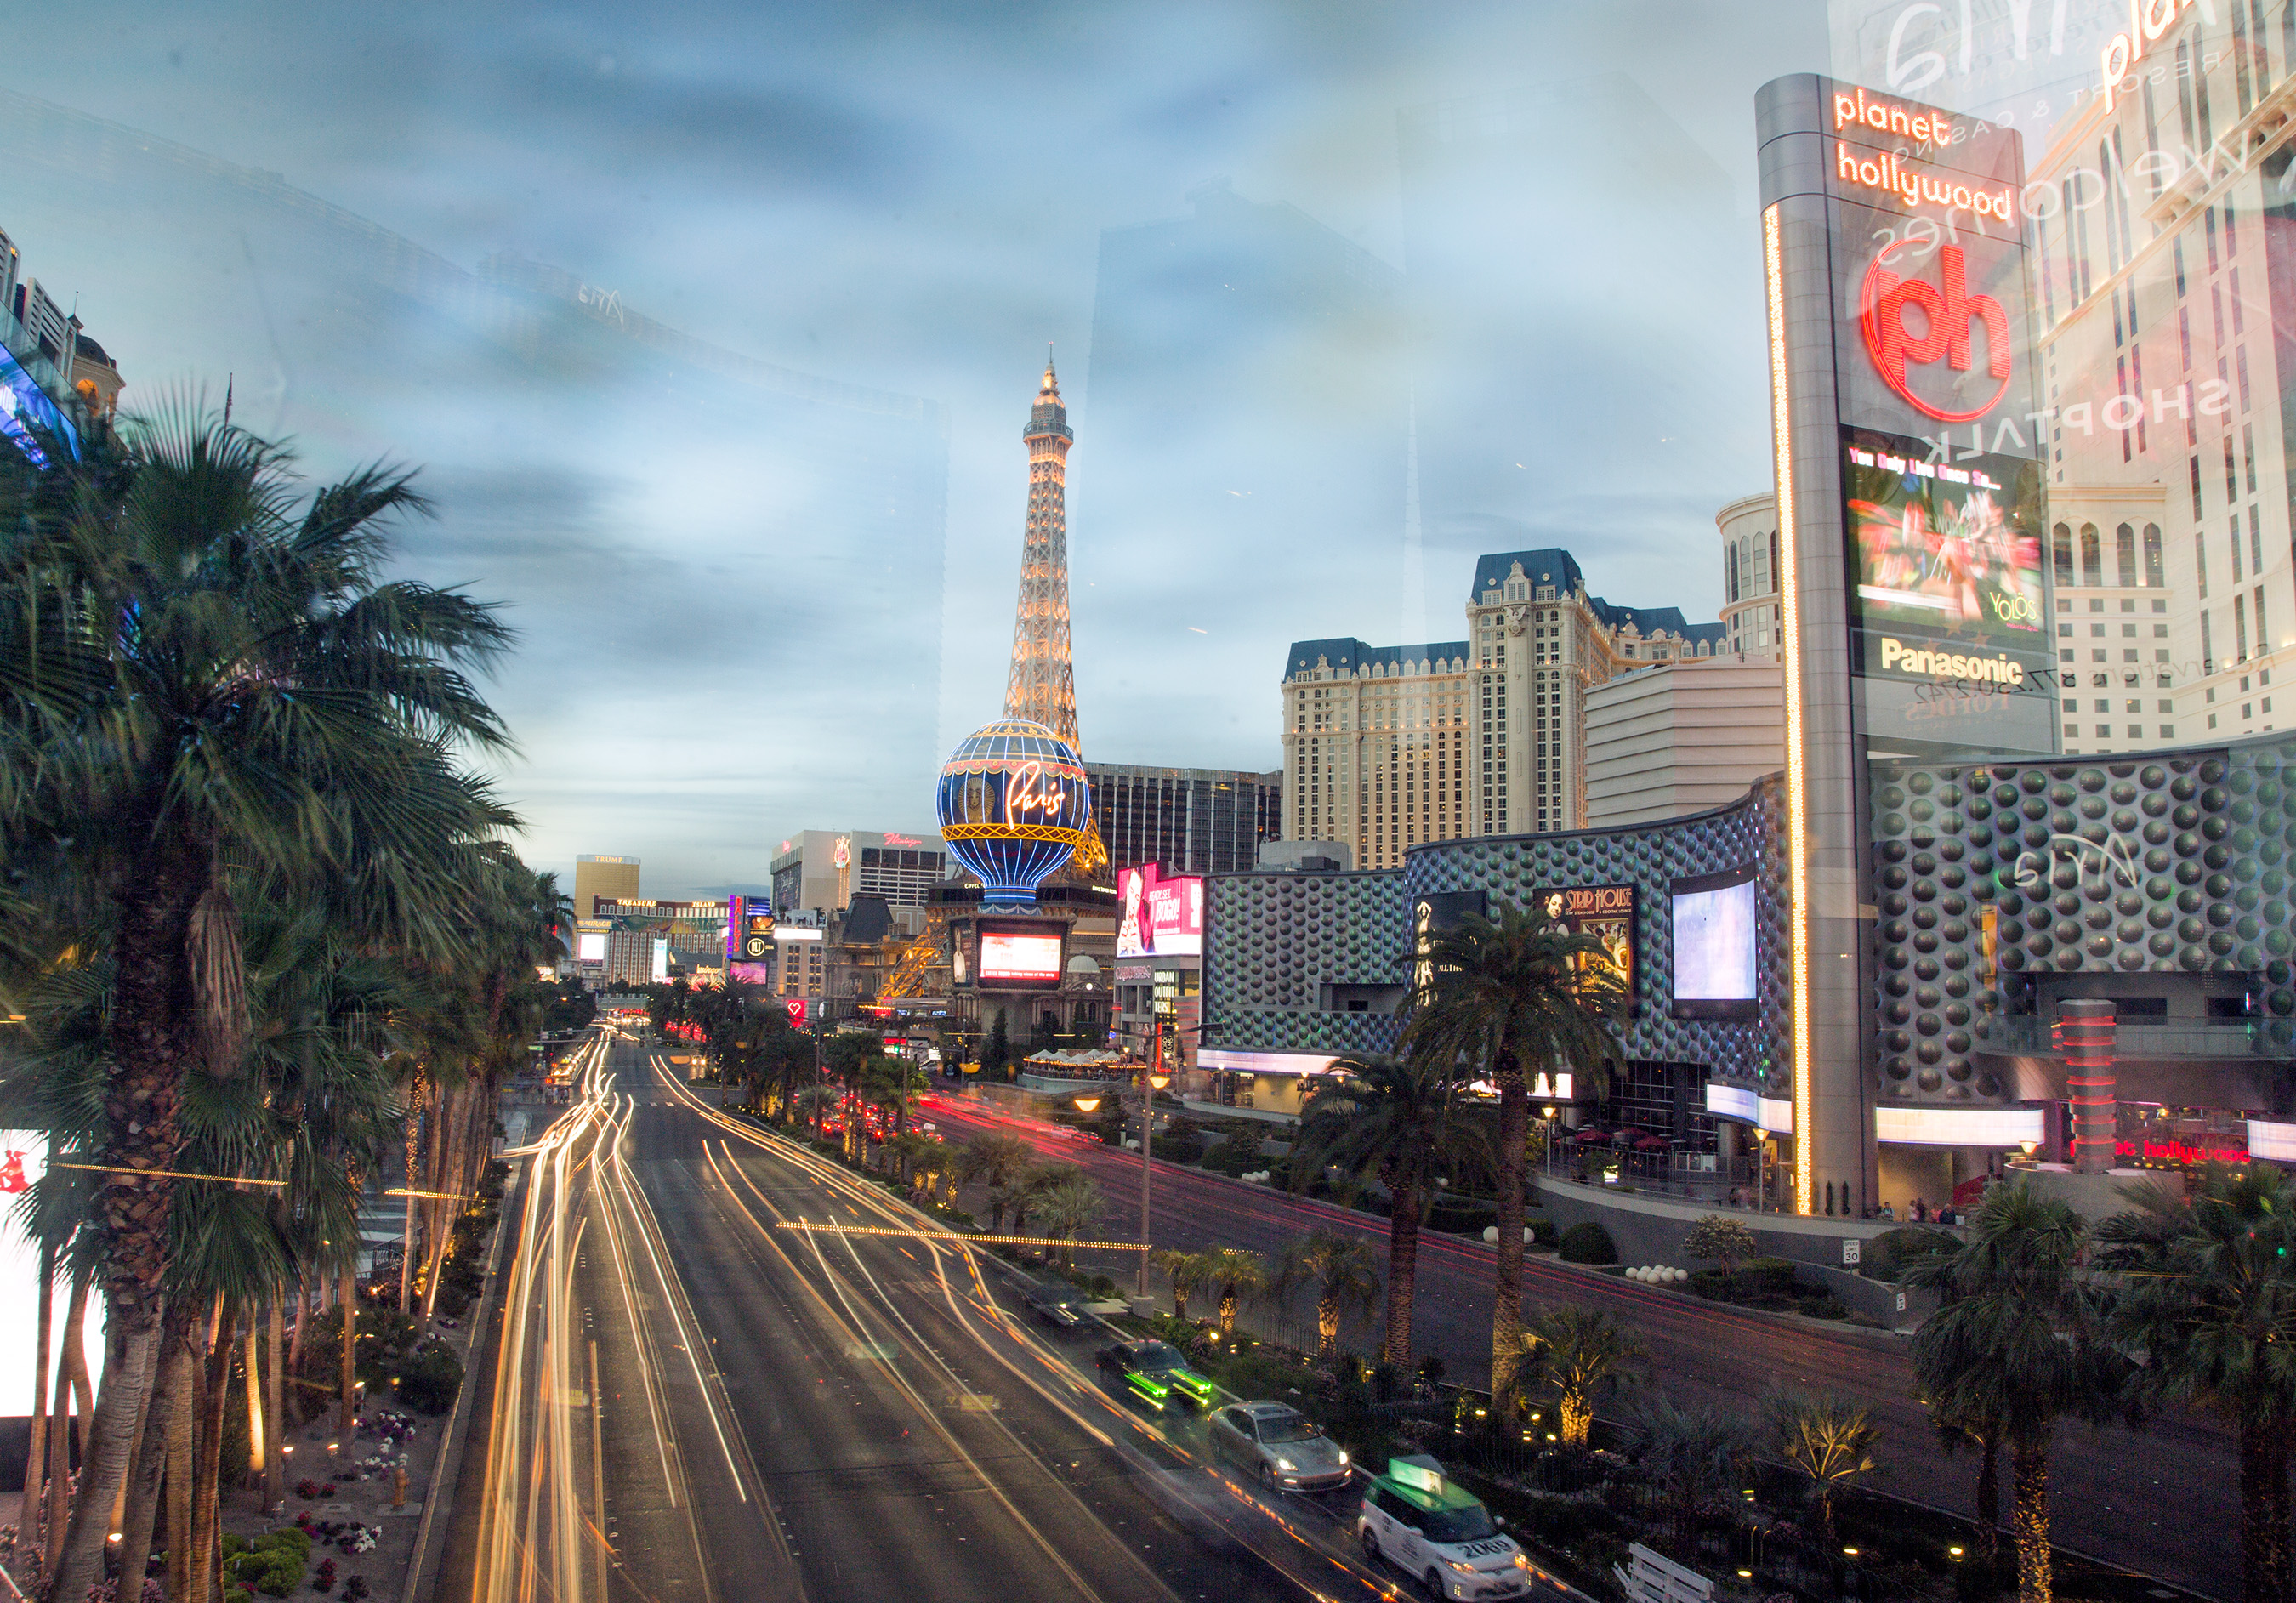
(2210, 1300)
(1232, 1272)
(2014, 1344)
(203, 670)
(1724, 1240)
(1342, 1271)
(1827, 1438)
(1575, 1354)
(1511, 997)
(1397, 1124)
(1693, 1451)
(846, 1056)
(996, 1055)
(994, 1161)
(1067, 1207)
(1188, 1273)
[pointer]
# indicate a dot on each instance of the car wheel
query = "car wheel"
(1267, 1478)
(1433, 1581)
(1369, 1545)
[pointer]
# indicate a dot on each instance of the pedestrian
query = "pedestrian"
(1888, 1213)
(1918, 1211)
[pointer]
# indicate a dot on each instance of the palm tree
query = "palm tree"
(1511, 997)
(1343, 1272)
(1232, 1272)
(1188, 1272)
(1393, 1123)
(2210, 1300)
(201, 671)
(1693, 1451)
(1827, 1438)
(2015, 1342)
(994, 1161)
(1069, 1206)
(1574, 1354)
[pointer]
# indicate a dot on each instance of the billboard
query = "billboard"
(23, 1160)
(590, 946)
(1949, 597)
(1714, 945)
(1018, 956)
(795, 1006)
(1606, 913)
(739, 973)
(1433, 915)
(749, 930)
(1161, 917)
(660, 959)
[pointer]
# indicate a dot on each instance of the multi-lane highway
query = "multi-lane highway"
(799, 1412)
(2157, 1501)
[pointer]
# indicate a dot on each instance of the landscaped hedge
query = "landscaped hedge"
(272, 1564)
(1587, 1243)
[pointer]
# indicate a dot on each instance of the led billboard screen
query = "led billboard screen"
(1161, 918)
(590, 946)
(1948, 599)
(1019, 957)
(1606, 913)
(1714, 945)
(749, 930)
(749, 974)
(660, 959)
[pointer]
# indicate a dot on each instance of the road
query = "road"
(805, 1414)
(2162, 1501)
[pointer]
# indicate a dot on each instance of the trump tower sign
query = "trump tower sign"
(1908, 433)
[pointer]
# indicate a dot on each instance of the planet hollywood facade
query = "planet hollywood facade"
(1867, 957)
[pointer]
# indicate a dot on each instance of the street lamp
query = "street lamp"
(1548, 1114)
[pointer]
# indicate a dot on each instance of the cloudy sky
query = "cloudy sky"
(1511, 245)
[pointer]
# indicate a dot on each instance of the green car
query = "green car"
(1155, 1374)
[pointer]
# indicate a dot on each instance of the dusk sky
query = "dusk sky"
(1527, 235)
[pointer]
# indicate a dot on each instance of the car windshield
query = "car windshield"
(1158, 1355)
(1471, 1523)
(1287, 1426)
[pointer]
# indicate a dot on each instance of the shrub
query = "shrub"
(1721, 1238)
(1821, 1305)
(1767, 1277)
(430, 1379)
(1460, 1215)
(272, 1564)
(1543, 1232)
(1587, 1243)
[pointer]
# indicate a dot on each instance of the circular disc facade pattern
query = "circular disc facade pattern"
(1013, 804)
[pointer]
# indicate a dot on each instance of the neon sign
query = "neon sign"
(1852, 109)
(1027, 792)
(903, 839)
(1915, 187)
(2148, 19)
(1947, 309)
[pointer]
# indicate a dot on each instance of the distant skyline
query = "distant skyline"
(911, 205)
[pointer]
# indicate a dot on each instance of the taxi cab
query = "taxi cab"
(1416, 1518)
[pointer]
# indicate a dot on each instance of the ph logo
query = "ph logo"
(1947, 310)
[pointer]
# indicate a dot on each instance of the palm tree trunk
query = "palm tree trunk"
(1327, 1326)
(153, 1037)
(407, 1242)
(346, 1421)
(183, 1418)
(1988, 1499)
(2263, 1539)
(1506, 1300)
(58, 1487)
(152, 1455)
(275, 1398)
(2028, 1469)
(251, 1363)
(75, 1366)
(206, 1474)
(1402, 1274)
(295, 1336)
(36, 1453)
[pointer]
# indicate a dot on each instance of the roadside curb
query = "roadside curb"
(1838, 1330)
(430, 1533)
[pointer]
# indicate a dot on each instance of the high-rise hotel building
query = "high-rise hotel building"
(1385, 746)
(2167, 289)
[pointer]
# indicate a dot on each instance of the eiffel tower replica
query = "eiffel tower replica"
(1042, 687)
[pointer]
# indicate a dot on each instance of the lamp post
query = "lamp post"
(1547, 1114)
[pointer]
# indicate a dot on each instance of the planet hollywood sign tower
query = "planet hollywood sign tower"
(1915, 609)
